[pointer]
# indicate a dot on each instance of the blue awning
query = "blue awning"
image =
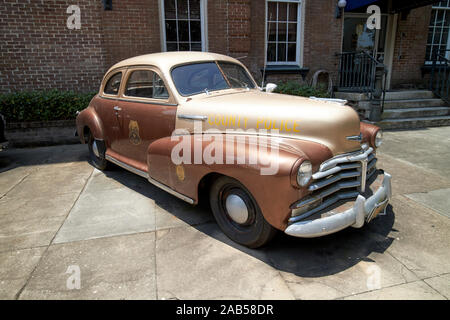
(355, 4)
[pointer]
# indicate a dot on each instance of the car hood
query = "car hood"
(281, 115)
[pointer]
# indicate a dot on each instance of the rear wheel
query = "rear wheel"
(238, 214)
(97, 158)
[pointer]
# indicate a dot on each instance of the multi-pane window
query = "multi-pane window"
(283, 31)
(183, 25)
(438, 31)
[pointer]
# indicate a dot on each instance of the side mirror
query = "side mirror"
(270, 87)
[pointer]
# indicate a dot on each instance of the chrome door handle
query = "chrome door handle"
(192, 117)
(117, 108)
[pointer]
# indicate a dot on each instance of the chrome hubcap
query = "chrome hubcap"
(237, 209)
(95, 149)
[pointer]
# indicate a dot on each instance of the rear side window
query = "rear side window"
(146, 84)
(113, 84)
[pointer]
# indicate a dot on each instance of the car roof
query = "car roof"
(166, 60)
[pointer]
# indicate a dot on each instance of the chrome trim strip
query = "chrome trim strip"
(192, 117)
(140, 101)
(355, 138)
(352, 157)
(319, 175)
(171, 191)
(151, 180)
(326, 182)
(363, 176)
(327, 192)
(127, 167)
(329, 202)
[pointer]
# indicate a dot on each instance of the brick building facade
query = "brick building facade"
(38, 51)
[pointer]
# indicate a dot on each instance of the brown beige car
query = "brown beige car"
(153, 110)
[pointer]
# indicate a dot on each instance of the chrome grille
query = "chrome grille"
(339, 178)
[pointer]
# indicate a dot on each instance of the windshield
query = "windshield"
(210, 76)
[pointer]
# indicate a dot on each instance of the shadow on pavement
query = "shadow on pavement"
(13, 158)
(303, 257)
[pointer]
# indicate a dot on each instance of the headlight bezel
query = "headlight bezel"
(304, 173)
(378, 139)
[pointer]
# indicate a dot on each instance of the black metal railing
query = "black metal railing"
(440, 75)
(362, 72)
(356, 72)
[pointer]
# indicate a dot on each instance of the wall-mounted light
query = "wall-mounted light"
(107, 4)
(340, 7)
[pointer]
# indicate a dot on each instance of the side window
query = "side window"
(146, 84)
(113, 84)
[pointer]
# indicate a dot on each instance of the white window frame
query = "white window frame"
(299, 48)
(446, 12)
(203, 25)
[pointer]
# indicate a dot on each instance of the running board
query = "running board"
(151, 180)
(127, 167)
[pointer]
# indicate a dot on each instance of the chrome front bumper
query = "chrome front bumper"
(363, 210)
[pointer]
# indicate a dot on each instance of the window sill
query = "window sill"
(284, 69)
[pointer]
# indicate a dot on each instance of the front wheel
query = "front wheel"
(98, 160)
(238, 214)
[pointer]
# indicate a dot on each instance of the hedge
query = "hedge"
(63, 105)
(297, 89)
(43, 105)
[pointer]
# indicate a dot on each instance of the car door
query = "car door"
(149, 113)
(108, 108)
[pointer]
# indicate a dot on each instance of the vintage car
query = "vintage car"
(325, 176)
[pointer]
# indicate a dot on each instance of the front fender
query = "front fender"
(273, 192)
(369, 131)
(89, 118)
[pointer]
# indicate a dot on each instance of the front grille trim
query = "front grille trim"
(338, 178)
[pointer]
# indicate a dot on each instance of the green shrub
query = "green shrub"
(43, 105)
(297, 89)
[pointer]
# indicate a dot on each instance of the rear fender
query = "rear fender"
(90, 119)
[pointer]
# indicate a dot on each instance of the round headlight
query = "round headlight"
(304, 173)
(379, 138)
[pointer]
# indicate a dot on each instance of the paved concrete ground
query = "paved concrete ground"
(131, 240)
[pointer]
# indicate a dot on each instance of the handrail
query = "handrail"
(440, 76)
(362, 72)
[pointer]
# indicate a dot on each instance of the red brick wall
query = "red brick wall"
(229, 28)
(38, 51)
(218, 26)
(130, 29)
(322, 37)
(257, 39)
(410, 46)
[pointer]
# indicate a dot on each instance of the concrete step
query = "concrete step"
(409, 95)
(415, 112)
(412, 123)
(414, 103)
